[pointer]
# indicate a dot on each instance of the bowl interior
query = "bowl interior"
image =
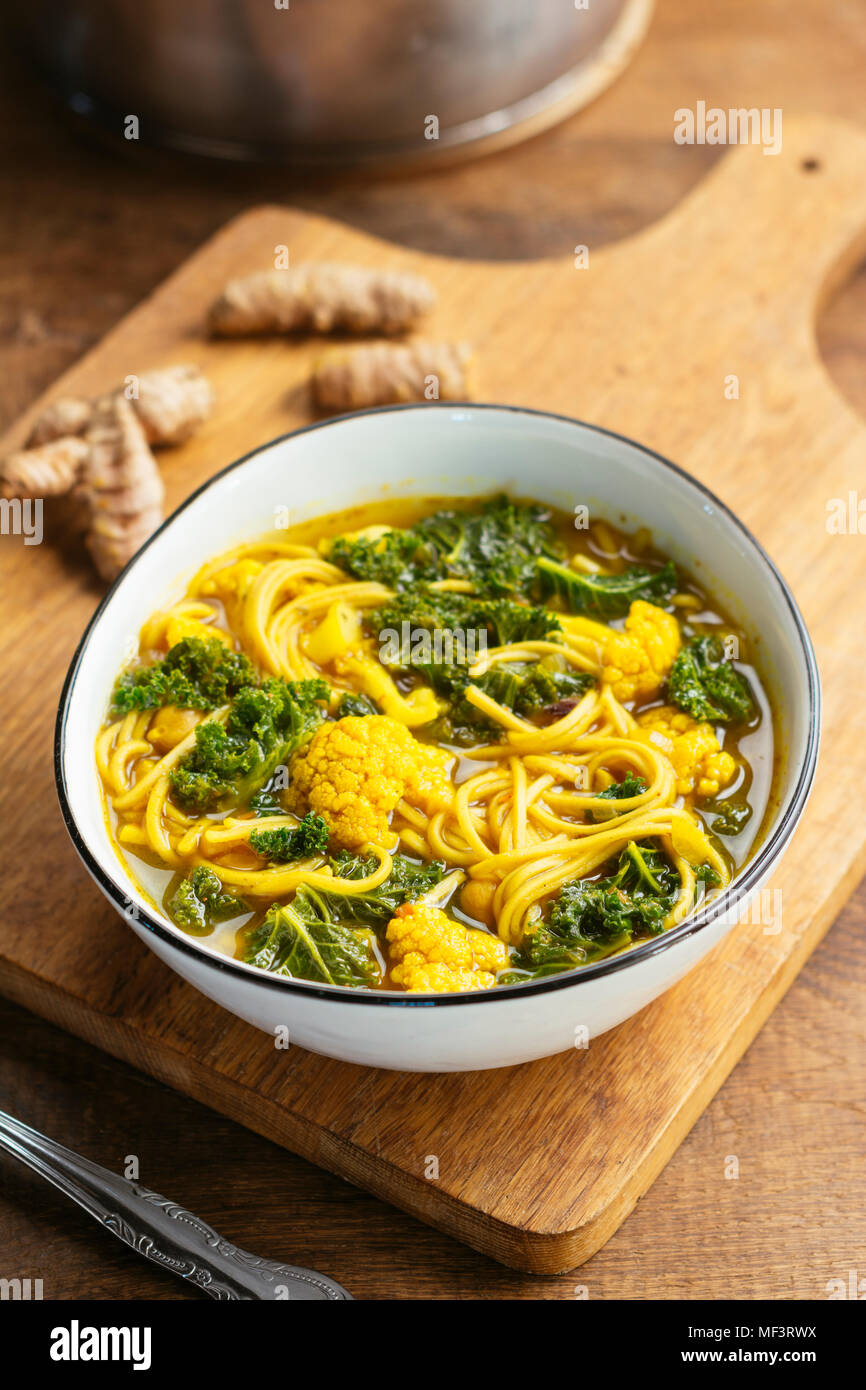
(429, 451)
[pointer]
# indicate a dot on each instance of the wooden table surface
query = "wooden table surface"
(87, 231)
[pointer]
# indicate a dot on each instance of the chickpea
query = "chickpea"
(170, 726)
(476, 900)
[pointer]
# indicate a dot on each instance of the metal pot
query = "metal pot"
(329, 81)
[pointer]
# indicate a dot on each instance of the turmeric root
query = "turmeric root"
(322, 297)
(50, 470)
(121, 485)
(381, 373)
(172, 402)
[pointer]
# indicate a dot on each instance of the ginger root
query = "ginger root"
(121, 485)
(70, 415)
(172, 402)
(98, 452)
(322, 297)
(50, 470)
(383, 373)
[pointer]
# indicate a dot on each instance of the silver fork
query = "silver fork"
(159, 1229)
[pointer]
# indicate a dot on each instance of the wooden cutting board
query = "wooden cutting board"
(535, 1165)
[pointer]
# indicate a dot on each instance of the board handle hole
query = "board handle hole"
(810, 165)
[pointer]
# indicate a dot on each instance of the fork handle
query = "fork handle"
(159, 1229)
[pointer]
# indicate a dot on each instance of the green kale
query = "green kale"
(494, 548)
(199, 902)
(301, 941)
(265, 726)
(328, 936)
(265, 803)
(590, 920)
(438, 636)
(617, 791)
(283, 842)
(510, 623)
(731, 818)
(705, 684)
(605, 596)
(407, 880)
(196, 673)
(395, 558)
(620, 791)
(355, 704)
(528, 687)
(705, 873)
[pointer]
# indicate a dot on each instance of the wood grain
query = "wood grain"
(641, 342)
(791, 1113)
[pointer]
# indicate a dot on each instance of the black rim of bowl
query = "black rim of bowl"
(717, 907)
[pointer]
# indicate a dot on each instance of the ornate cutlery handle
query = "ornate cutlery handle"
(159, 1229)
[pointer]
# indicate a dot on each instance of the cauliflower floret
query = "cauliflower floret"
(431, 953)
(699, 763)
(355, 770)
(637, 660)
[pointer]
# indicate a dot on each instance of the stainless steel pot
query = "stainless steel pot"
(329, 81)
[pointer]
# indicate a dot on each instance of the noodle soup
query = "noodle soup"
(437, 747)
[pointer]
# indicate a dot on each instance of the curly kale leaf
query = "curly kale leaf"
(407, 881)
(631, 785)
(605, 596)
(394, 557)
(705, 684)
(199, 902)
(265, 726)
(494, 548)
(355, 704)
(196, 673)
(438, 636)
(527, 688)
(265, 803)
(590, 920)
(283, 842)
(731, 818)
(300, 941)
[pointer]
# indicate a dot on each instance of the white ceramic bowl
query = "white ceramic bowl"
(443, 450)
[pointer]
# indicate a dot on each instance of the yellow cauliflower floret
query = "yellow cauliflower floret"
(431, 953)
(699, 763)
(439, 979)
(637, 660)
(355, 770)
